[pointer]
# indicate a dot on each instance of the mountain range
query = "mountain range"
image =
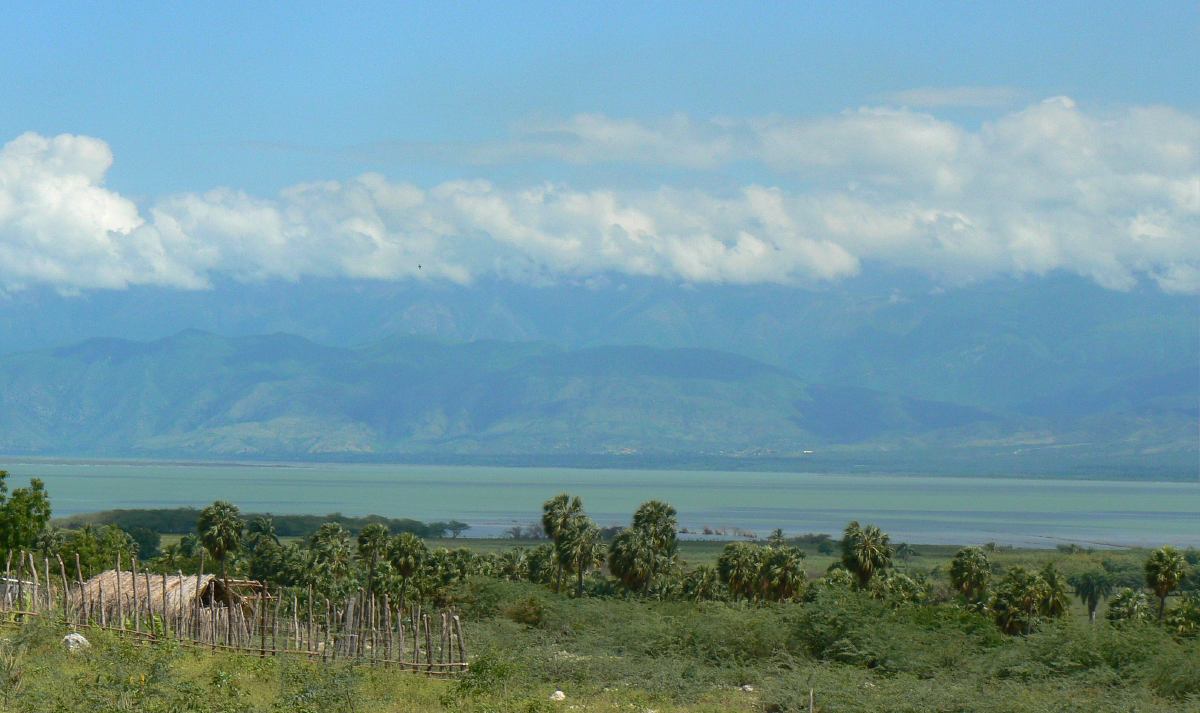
(198, 394)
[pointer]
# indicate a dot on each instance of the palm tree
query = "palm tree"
(781, 573)
(865, 551)
(1018, 601)
(331, 559)
(701, 583)
(372, 547)
(738, 567)
(1092, 587)
(220, 527)
(1128, 605)
(1055, 601)
(407, 554)
(263, 528)
(1164, 570)
(657, 520)
(1184, 619)
(514, 564)
(631, 559)
(578, 548)
(557, 513)
(970, 573)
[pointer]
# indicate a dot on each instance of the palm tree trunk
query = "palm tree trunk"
(1092, 615)
(1162, 607)
(403, 589)
(579, 583)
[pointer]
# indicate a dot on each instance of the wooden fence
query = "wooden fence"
(249, 618)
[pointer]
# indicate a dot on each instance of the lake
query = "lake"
(914, 509)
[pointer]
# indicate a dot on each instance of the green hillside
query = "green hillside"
(284, 396)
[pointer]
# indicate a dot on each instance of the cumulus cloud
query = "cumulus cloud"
(60, 226)
(1050, 187)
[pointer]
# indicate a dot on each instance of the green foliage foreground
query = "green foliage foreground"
(608, 654)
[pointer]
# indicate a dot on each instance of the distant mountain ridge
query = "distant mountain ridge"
(283, 396)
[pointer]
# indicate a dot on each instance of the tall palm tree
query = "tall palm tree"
(407, 554)
(865, 551)
(331, 560)
(657, 520)
(577, 548)
(1055, 601)
(220, 527)
(1092, 587)
(372, 548)
(557, 513)
(1164, 570)
(970, 573)
(631, 559)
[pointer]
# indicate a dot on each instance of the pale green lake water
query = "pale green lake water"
(491, 499)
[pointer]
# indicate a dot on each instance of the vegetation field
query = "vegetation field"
(635, 617)
(855, 653)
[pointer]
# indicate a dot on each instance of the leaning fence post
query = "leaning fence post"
(66, 590)
(8, 595)
(462, 646)
(34, 599)
(84, 600)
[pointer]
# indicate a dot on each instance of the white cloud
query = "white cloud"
(60, 226)
(1050, 187)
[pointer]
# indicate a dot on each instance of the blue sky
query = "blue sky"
(697, 142)
(195, 97)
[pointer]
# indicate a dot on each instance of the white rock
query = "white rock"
(748, 688)
(558, 695)
(75, 642)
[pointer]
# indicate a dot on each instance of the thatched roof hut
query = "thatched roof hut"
(163, 595)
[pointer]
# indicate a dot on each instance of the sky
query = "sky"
(697, 143)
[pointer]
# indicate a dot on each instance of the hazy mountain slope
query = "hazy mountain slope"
(997, 345)
(284, 396)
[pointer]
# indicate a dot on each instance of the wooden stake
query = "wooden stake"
(103, 613)
(49, 593)
(137, 619)
(20, 580)
(66, 591)
(462, 646)
(33, 597)
(8, 582)
(120, 602)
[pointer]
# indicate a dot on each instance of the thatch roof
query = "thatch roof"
(181, 592)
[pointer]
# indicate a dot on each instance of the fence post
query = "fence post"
(49, 589)
(34, 599)
(120, 601)
(137, 610)
(462, 646)
(66, 590)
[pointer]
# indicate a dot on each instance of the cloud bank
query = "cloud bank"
(1051, 187)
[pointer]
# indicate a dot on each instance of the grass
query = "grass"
(616, 654)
